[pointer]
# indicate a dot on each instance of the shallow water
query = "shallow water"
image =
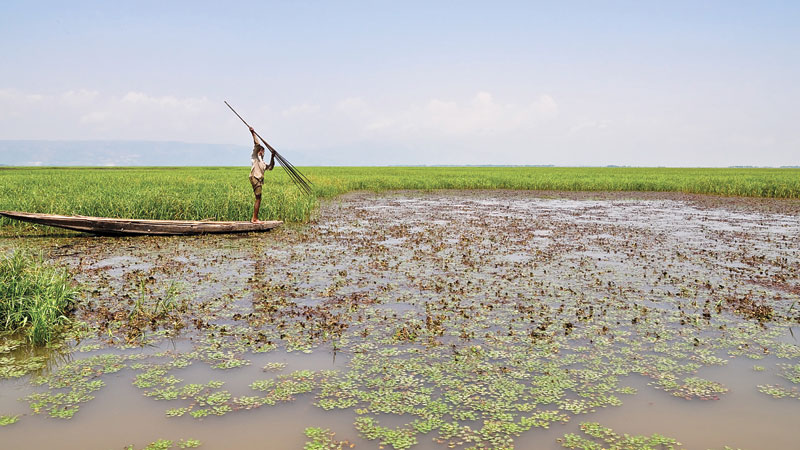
(474, 308)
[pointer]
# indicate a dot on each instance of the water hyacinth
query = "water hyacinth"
(165, 444)
(606, 438)
(8, 420)
(323, 439)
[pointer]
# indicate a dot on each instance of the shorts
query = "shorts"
(257, 184)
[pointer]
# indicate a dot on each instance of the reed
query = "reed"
(223, 193)
(34, 297)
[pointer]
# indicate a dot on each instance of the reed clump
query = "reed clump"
(35, 297)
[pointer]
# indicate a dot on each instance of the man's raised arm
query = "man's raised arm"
(255, 138)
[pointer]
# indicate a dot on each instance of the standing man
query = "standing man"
(257, 172)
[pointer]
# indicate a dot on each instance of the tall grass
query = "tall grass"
(151, 193)
(224, 193)
(34, 297)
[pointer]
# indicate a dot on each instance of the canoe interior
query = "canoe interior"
(117, 227)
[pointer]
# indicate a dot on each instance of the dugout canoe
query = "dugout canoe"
(118, 227)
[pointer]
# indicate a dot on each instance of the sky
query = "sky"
(677, 83)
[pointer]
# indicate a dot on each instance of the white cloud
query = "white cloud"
(437, 118)
(135, 97)
(482, 115)
(167, 101)
(79, 97)
(94, 117)
(469, 129)
(90, 114)
(298, 110)
(590, 125)
(353, 105)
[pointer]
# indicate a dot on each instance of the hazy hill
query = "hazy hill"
(120, 153)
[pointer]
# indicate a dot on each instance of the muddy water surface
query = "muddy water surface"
(429, 320)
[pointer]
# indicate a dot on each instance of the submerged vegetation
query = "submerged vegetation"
(34, 297)
(223, 193)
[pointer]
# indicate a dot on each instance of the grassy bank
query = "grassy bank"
(224, 192)
(34, 297)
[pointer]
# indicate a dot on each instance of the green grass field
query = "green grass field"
(225, 193)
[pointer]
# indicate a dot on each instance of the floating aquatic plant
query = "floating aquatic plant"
(605, 438)
(164, 444)
(73, 384)
(8, 419)
(323, 439)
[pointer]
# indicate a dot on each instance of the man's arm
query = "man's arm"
(271, 162)
(255, 138)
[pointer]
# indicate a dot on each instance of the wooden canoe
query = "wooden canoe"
(110, 226)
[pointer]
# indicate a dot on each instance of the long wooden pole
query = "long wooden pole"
(298, 178)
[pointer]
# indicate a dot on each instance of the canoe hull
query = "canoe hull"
(122, 227)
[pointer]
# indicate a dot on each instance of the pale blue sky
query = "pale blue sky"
(569, 83)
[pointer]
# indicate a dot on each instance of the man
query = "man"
(257, 172)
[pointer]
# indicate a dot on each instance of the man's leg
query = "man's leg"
(257, 183)
(256, 207)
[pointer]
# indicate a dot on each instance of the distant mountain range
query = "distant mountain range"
(171, 153)
(120, 153)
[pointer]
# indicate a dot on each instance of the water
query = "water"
(426, 296)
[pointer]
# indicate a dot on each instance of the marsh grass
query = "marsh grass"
(149, 309)
(153, 308)
(224, 193)
(35, 297)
